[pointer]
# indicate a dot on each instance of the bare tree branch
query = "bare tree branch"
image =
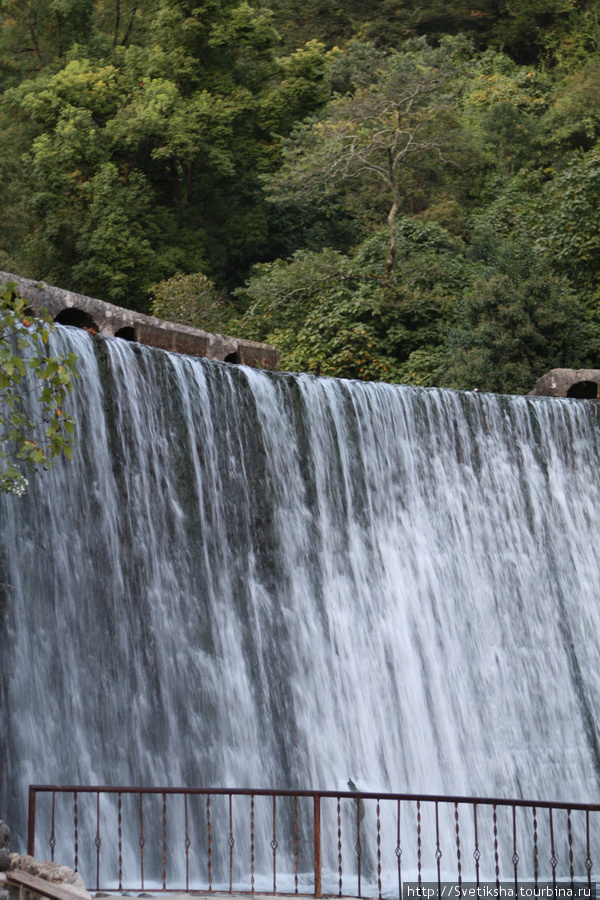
(375, 130)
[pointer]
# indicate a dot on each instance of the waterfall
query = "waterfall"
(251, 579)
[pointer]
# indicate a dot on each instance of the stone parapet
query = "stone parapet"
(582, 384)
(98, 316)
(177, 340)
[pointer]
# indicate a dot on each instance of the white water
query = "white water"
(256, 580)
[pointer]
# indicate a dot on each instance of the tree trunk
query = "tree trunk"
(391, 220)
(393, 239)
(117, 23)
(393, 242)
(36, 46)
(129, 27)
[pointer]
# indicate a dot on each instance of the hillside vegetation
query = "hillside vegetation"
(398, 190)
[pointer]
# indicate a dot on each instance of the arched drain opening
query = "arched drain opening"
(232, 357)
(126, 333)
(77, 318)
(583, 390)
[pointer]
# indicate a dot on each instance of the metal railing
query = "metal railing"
(344, 843)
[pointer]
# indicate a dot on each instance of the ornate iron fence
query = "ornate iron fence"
(344, 843)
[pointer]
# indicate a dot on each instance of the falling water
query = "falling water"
(251, 579)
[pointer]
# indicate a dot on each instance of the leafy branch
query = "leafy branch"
(34, 428)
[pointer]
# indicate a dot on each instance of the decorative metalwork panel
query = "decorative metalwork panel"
(171, 839)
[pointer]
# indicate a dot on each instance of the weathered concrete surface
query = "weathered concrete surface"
(53, 872)
(580, 383)
(105, 318)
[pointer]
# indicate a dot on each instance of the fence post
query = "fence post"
(317, 833)
(31, 824)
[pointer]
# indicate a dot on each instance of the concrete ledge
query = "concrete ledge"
(105, 318)
(43, 888)
(174, 339)
(582, 384)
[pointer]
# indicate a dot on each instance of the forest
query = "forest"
(389, 190)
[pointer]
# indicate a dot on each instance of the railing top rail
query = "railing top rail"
(352, 795)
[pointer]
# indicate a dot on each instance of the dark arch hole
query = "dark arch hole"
(232, 357)
(583, 390)
(126, 333)
(76, 317)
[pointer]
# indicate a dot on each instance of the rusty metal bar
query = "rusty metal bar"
(570, 835)
(252, 842)
(120, 831)
(358, 847)
(339, 837)
(187, 845)
(31, 822)
(295, 845)
(399, 854)
(477, 851)
(553, 859)
(231, 843)
(274, 844)
(438, 852)
(142, 839)
(76, 831)
(52, 840)
(515, 858)
(98, 844)
(588, 857)
(317, 842)
(363, 795)
(535, 848)
(457, 829)
(496, 861)
(164, 846)
(419, 842)
(378, 848)
(209, 838)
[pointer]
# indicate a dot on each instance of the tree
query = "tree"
(386, 22)
(191, 300)
(401, 111)
(34, 33)
(34, 429)
(144, 162)
(573, 123)
(519, 320)
(334, 310)
(564, 222)
(318, 308)
(525, 27)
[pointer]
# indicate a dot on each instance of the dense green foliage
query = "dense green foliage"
(384, 189)
(191, 300)
(31, 433)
